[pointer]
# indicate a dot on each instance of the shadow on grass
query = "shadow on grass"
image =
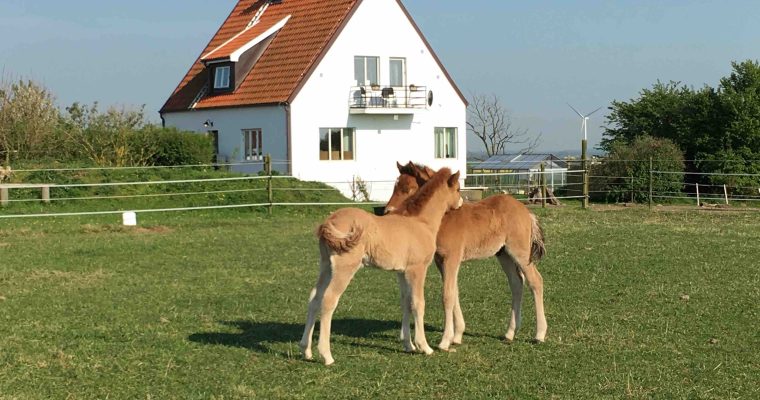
(257, 335)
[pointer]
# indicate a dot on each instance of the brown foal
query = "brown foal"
(496, 226)
(351, 238)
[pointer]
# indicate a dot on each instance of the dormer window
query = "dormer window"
(222, 78)
(229, 63)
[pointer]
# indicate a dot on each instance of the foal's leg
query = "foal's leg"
(536, 283)
(315, 299)
(516, 287)
(449, 268)
(406, 309)
(343, 269)
(415, 276)
(458, 322)
(520, 253)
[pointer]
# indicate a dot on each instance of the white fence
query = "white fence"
(267, 191)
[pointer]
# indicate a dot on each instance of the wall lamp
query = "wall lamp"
(208, 124)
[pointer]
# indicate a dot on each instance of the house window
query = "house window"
(367, 70)
(222, 77)
(445, 142)
(398, 72)
(336, 144)
(252, 145)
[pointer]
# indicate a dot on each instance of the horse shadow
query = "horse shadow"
(259, 336)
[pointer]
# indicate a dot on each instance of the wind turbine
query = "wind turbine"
(584, 146)
(584, 120)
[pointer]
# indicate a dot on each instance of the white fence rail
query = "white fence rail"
(569, 187)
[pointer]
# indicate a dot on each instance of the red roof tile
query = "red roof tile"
(287, 60)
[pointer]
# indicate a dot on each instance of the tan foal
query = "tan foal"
(351, 238)
(497, 226)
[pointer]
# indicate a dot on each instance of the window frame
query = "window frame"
(342, 152)
(217, 70)
(248, 149)
(445, 135)
(403, 71)
(365, 69)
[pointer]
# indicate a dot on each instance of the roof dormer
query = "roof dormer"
(229, 63)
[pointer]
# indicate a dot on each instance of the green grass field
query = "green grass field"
(203, 305)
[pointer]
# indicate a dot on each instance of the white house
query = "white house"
(333, 90)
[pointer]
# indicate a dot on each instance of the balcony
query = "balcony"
(377, 99)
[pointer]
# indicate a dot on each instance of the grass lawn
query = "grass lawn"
(204, 304)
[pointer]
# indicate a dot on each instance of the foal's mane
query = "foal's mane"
(413, 205)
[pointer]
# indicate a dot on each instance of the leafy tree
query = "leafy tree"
(737, 150)
(719, 128)
(670, 111)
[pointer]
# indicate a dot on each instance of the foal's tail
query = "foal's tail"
(537, 248)
(338, 241)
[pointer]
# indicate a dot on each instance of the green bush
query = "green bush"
(624, 174)
(28, 121)
(169, 146)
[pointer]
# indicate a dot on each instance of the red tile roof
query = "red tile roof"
(286, 61)
(291, 56)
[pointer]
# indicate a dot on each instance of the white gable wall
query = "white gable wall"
(378, 28)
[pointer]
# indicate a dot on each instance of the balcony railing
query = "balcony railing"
(373, 99)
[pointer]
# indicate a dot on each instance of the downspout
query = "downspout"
(288, 139)
(163, 121)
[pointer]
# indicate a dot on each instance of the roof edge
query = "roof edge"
(323, 53)
(432, 52)
(268, 104)
(162, 110)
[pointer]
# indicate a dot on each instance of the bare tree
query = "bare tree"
(492, 124)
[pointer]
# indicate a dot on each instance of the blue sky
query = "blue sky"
(537, 56)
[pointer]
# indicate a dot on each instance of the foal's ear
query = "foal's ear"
(400, 167)
(429, 172)
(454, 179)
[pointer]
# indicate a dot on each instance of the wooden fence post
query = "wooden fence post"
(543, 186)
(725, 193)
(268, 171)
(633, 190)
(584, 166)
(651, 182)
(4, 196)
(698, 203)
(45, 194)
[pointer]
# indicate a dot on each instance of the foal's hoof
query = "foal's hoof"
(536, 341)
(306, 352)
